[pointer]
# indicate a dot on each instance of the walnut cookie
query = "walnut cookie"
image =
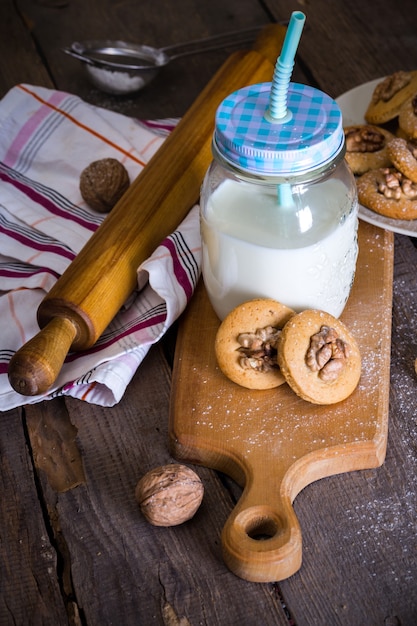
(319, 357)
(407, 117)
(388, 192)
(389, 95)
(403, 155)
(245, 344)
(366, 147)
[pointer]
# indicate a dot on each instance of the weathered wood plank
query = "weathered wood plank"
(29, 577)
(19, 61)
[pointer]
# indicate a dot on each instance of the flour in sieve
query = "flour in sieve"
(115, 82)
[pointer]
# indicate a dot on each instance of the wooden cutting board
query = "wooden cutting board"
(272, 442)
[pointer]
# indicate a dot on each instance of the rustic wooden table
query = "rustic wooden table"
(84, 555)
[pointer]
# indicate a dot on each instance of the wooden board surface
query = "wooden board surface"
(272, 442)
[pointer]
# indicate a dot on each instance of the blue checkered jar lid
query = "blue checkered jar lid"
(310, 136)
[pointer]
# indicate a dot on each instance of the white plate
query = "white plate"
(353, 104)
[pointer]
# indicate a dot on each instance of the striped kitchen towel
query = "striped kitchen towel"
(47, 138)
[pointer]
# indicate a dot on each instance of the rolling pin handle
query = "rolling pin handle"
(35, 367)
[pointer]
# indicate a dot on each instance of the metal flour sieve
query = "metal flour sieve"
(119, 68)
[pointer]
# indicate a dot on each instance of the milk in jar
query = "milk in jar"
(279, 209)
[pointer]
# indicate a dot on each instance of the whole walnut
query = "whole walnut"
(102, 184)
(169, 495)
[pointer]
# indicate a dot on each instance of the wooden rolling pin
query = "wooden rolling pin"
(91, 291)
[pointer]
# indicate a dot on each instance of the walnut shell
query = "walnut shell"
(169, 495)
(102, 184)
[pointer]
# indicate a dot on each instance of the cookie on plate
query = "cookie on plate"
(388, 192)
(366, 147)
(407, 118)
(389, 95)
(403, 155)
(245, 344)
(319, 357)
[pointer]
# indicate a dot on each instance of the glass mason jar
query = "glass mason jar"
(279, 209)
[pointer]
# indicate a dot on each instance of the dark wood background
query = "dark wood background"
(74, 548)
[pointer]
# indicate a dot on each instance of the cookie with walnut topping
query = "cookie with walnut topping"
(366, 147)
(388, 192)
(319, 357)
(403, 155)
(407, 117)
(245, 344)
(389, 95)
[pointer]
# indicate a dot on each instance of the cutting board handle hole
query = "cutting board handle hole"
(260, 526)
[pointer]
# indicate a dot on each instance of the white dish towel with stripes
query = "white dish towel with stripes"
(47, 137)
